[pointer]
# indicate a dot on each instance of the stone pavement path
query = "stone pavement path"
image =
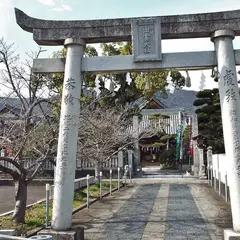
(157, 210)
(183, 216)
(35, 193)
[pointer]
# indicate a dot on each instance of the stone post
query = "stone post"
(201, 164)
(136, 143)
(68, 133)
(209, 161)
(120, 159)
(196, 161)
(229, 100)
(195, 153)
(130, 159)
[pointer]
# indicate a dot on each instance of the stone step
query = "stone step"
(167, 176)
(161, 173)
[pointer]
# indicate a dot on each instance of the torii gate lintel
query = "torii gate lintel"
(54, 32)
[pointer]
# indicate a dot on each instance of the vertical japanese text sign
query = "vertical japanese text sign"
(146, 39)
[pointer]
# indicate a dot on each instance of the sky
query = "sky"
(103, 9)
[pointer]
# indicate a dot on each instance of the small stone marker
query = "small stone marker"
(110, 181)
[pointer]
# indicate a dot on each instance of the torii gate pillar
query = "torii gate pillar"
(230, 108)
(68, 133)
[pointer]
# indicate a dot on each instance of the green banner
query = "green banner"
(178, 141)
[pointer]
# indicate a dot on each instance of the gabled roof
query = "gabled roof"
(159, 102)
(141, 102)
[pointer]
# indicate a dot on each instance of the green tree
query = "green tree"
(209, 118)
(127, 93)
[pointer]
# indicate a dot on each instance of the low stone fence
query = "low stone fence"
(217, 174)
(82, 182)
(113, 163)
(79, 183)
(28, 163)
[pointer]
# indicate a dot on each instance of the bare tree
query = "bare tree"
(106, 131)
(32, 130)
(28, 128)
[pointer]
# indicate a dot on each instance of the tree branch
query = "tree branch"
(15, 164)
(34, 173)
(13, 173)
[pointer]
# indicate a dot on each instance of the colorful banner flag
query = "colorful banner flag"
(191, 141)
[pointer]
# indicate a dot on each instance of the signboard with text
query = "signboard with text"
(146, 39)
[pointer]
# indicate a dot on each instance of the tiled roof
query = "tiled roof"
(180, 99)
(177, 100)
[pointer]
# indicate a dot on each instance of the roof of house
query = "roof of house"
(14, 105)
(13, 109)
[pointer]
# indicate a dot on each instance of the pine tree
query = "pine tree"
(209, 118)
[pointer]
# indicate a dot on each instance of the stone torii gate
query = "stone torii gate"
(146, 34)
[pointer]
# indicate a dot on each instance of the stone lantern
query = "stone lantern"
(200, 140)
(200, 143)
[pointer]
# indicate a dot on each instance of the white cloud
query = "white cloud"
(47, 2)
(58, 9)
(58, 6)
(63, 7)
(66, 7)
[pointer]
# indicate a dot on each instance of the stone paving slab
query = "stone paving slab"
(157, 211)
(132, 217)
(183, 218)
(94, 218)
(218, 215)
(157, 224)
